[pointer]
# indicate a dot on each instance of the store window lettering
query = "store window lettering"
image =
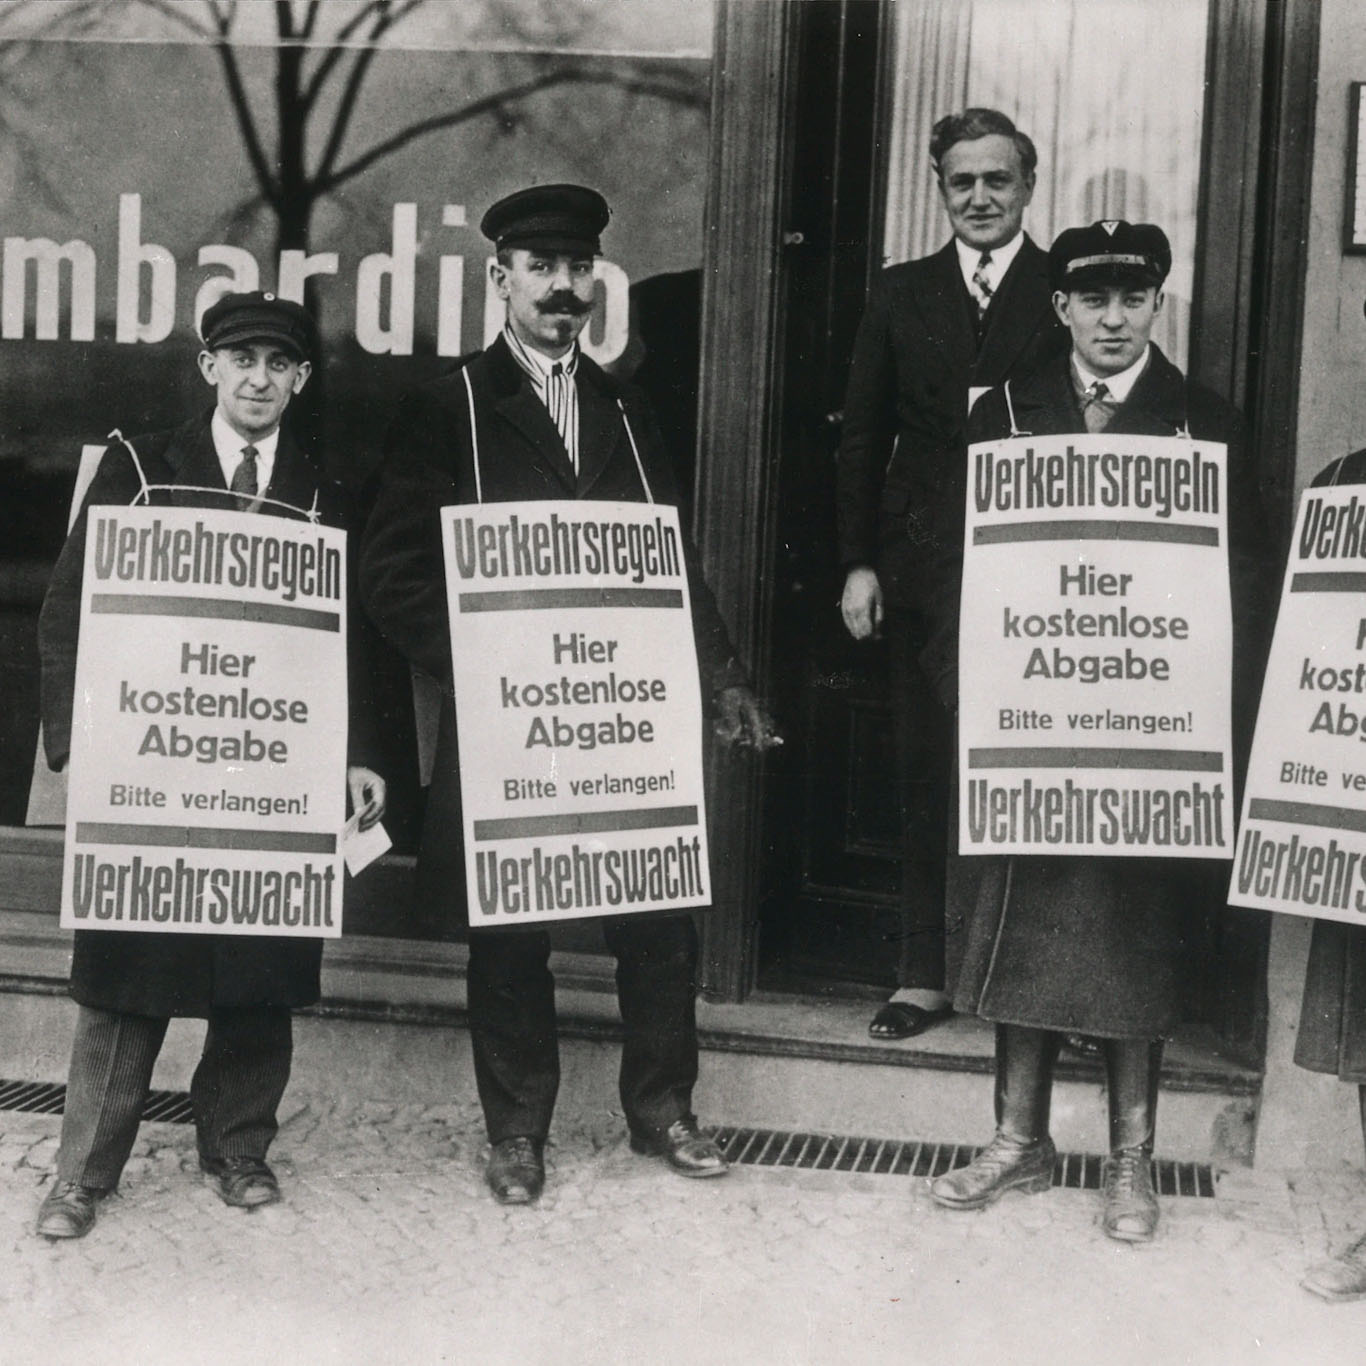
(386, 287)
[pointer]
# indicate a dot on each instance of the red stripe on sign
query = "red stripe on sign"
(1094, 531)
(224, 609)
(543, 599)
(585, 823)
(1328, 583)
(1186, 760)
(1307, 813)
(196, 837)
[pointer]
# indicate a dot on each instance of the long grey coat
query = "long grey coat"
(1332, 1033)
(175, 974)
(1094, 945)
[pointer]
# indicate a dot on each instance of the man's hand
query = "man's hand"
(744, 720)
(861, 604)
(367, 794)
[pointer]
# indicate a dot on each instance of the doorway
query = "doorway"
(871, 79)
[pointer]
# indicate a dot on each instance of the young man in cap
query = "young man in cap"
(257, 355)
(532, 417)
(974, 313)
(1055, 945)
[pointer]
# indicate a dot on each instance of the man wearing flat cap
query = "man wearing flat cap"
(258, 353)
(532, 417)
(1057, 945)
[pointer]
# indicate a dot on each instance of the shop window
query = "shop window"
(121, 215)
(1078, 77)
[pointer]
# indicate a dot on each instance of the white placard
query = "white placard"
(208, 747)
(1095, 648)
(1302, 839)
(578, 710)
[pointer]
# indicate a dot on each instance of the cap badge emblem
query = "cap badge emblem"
(1110, 224)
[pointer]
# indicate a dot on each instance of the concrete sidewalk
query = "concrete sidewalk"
(388, 1249)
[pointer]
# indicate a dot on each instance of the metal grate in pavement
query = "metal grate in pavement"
(49, 1098)
(890, 1157)
(748, 1147)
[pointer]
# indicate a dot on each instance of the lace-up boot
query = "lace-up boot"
(1340, 1278)
(1020, 1155)
(1132, 1067)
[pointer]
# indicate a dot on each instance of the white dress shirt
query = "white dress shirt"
(538, 367)
(1116, 386)
(1001, 259)
(228, 446)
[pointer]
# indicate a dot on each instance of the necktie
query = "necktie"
(981, 286)
(557, 402)
(1097, 408)
(244, 476)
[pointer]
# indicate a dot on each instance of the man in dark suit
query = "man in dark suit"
(534, 418)
(256, 356)
(936, 332)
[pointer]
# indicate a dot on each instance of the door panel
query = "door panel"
(834, 831)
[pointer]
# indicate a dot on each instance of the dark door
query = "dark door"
(829, 911)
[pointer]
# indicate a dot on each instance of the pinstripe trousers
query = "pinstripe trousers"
(242, 1074)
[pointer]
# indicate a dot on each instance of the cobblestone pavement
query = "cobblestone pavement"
(387, 1249)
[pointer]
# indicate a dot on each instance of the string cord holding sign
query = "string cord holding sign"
(474, 444)
(635, 450)
(142, 498)
(1010, 413)
(1183, 428)
(474, 437)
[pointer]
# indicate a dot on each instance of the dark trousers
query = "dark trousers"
(924, 744)
(236, 1089)
(516, 1043)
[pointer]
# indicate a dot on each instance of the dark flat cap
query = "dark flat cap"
(259, 316)
(1109, 252)
(550, 217)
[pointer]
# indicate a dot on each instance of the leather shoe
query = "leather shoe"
(902, 1020)
(1006, 1163)
(69, 1210)
(1130, 1201)
(685, 1148)
(244, 1182)
(516, 1170)
(1341, 1278)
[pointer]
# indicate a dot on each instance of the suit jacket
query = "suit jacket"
(905, 410)
(175, 974)
(1096, 945)
(429, 464)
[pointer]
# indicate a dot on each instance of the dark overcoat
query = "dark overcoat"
(1332, 1033)
(916, 357)
(429, 464)
(1095, 945)
(172, 974)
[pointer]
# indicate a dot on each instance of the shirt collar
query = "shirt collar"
(1002, 258)
(1117, 386)
(228, 444)
(535, 363)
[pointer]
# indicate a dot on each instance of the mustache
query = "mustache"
(564, 301)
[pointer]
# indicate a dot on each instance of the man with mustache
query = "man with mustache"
(532, 417)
